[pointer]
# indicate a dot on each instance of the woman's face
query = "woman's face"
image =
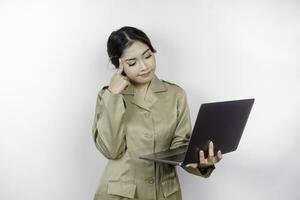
(139, 63)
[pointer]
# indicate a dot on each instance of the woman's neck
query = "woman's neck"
(142, 89)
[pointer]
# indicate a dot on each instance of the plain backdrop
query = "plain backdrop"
(53, 61)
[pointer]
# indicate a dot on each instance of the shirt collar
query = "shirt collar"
(156, 85)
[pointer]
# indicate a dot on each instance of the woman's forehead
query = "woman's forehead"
(136, 49)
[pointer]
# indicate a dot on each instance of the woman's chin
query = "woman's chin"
(142, 81)
(146, 79)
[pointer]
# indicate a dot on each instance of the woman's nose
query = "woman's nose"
(143, 66)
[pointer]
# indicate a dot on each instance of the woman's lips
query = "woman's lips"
(145, 75)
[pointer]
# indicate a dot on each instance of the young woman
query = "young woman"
(139, 114)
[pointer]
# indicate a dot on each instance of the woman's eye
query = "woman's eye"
(131, 64)
(148, 56)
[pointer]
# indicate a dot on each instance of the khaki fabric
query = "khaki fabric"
(126, 126)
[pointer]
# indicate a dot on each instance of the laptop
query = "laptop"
(220, 122)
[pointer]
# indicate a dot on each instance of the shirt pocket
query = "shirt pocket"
(121, 188)
(169, 187)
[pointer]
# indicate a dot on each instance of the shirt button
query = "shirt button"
(149, 180)
(148, 135)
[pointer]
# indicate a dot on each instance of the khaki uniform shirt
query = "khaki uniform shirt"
(126, 126)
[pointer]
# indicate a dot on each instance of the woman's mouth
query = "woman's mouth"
(145, 75)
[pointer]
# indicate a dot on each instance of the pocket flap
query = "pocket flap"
(169, 186)
(121, 188)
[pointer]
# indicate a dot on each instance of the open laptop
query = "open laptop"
(220, 122)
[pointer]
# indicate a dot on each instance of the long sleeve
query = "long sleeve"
(108, 129)
(183, 131)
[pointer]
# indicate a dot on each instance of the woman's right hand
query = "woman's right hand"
(118, 82)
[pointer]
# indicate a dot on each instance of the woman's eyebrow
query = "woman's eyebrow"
(134, 58)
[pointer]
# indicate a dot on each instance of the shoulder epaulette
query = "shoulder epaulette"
(170, 83)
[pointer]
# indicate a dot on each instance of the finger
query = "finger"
(125, 78)
(211, 149)
(127, 84)
(120, 69)
(203, 160)
(211, 152)
(219, 155)
(201, 157)
(193, 165)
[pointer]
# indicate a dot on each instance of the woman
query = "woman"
(140, 114)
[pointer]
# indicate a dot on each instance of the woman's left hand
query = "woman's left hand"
(209, 161)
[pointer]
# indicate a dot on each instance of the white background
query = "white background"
(53, 62)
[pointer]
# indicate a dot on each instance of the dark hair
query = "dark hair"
(123, 38)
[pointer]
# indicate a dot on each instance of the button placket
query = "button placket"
(147, 114)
